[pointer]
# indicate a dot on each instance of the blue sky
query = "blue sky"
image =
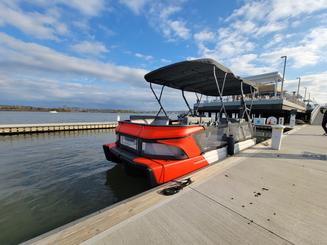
(94, 53)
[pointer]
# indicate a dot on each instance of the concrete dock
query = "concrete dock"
(52, 127)
(259, 196)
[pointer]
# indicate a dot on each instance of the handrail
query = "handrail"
(314, 113)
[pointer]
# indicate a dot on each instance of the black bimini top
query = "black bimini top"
(198, 76)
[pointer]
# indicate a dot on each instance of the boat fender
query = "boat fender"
(230, 145)
(176, 188)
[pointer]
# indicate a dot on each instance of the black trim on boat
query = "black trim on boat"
(122, 156)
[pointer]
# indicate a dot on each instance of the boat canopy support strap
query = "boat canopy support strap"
(198, 101)
(159, 99)
(245, 110)
(221, 92)
(187, 104)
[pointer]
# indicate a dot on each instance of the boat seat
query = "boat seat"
(160, 121)
(189, 120)
(142, 121)
(149, 119)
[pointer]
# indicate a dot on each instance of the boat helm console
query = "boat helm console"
(162, 148)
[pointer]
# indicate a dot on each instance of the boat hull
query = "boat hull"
(156, 171)
(164, 153)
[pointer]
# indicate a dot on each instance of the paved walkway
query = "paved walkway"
(260, 196)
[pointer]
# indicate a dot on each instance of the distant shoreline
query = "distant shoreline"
(74, 109)
(61, 109)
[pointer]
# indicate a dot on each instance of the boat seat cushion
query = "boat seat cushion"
(149, 119)
(189, 120)
(160, 121)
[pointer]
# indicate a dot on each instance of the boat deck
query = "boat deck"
(259, 196)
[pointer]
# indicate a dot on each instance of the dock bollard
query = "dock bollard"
(230, 145)
(276, 136)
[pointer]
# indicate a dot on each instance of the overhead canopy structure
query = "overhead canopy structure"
(198, 76)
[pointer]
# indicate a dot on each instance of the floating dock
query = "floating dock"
(259, 196)
(52, 127)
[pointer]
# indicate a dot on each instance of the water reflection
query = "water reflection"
(122, 185)
(50, 179)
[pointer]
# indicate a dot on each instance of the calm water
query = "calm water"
(47, 180)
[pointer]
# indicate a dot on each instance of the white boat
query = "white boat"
(53, 112)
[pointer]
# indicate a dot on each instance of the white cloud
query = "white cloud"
(243, 31)
(277, 9)
(90, 48)
(32, 73)
(45, 21)
(24, 89)
(293, 8)
(316, 84)
(85, 7)
(143, 56)
(277, 38)
(165, 60)
(135, 6)
(227, 43)
(204, 36)
(276, 15)
(161, 17)
(177, 28)
(17, 55)
(44, 26)
(308, 52)
(244, 64)
(270, 28)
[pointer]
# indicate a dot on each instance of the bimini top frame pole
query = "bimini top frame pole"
(221, 92)
(196, 76)
(187, 104)
(245, 110)
(198, 101)
(159, 99)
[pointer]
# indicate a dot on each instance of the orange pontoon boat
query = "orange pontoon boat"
(163, 149)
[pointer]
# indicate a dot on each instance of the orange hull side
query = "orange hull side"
(167, 170)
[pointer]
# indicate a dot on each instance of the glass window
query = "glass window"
(156, 149)
(128, 141)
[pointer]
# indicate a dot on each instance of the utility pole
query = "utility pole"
(282, 88)
(298, 87)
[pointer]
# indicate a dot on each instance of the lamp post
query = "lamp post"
(298, 87)
(305, 93)
(282, 88)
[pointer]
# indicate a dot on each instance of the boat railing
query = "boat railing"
(230, 99)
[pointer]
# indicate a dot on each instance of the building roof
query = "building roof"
(271, 77)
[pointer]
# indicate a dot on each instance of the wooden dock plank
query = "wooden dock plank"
(51, 127)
